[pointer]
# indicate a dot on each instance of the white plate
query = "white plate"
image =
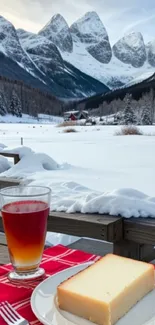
(43, 303)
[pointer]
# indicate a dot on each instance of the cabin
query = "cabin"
(76, 115)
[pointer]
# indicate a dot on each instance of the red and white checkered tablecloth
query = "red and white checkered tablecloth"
(55, 259)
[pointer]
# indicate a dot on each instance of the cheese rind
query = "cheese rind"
(106, 290)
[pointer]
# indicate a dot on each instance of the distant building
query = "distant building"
(76, 115)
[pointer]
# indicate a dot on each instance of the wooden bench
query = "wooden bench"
(15, 156)
(133, 237)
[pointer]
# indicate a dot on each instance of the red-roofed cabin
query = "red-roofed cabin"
(72, 117)
(76, 115)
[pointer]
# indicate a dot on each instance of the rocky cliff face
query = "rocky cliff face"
(11, 47)
(90, 31)
(57, 31)
(151, 53)
(43, 52)
(63, 79)
(131, 50)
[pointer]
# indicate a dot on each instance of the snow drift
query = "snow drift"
(41, 169)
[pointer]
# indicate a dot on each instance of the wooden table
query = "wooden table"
(134, 237)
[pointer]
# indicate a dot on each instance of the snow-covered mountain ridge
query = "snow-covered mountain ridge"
(37, 61)
(87, 47)
(78, 60)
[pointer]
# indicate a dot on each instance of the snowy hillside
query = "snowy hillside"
(140, 78)
(112, 74)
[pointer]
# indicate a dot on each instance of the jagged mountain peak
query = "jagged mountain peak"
(134, 39)
(90, 15)
(4, 21)
(30, 40)
(60, 19)
(9, 42)
(56, 24)
(57, 31)
(7, 31)
(130, 49)
(42, 51)
(26, 38)
(11, 47)
(90, 31)
(51, 53)
(64, 79)
(89, 25)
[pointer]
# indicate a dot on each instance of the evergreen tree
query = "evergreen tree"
(19, 108)
(2, 106)
(146, 116)
(15, 105)
(129, 116)
(12, 108)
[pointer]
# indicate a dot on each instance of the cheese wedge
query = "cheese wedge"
(106, 290)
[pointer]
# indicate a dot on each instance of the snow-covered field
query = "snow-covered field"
(27, 119)
(93, 169)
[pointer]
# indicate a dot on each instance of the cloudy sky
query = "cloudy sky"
(118, 16)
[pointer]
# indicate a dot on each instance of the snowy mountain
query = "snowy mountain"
(90, 31)
(57, 31)
(13, 71)
(43, 52)
(78, 60)
(131, 50)
(92, 53)
(11, 47)
(38, 57)
(114, 74)
(65, 79)
(128, 59)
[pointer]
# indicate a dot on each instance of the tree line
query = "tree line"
(129, 110)
(16, 98)
(129, 115)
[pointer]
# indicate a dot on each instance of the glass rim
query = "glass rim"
(47, 192)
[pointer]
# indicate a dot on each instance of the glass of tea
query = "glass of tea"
(25, 211)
